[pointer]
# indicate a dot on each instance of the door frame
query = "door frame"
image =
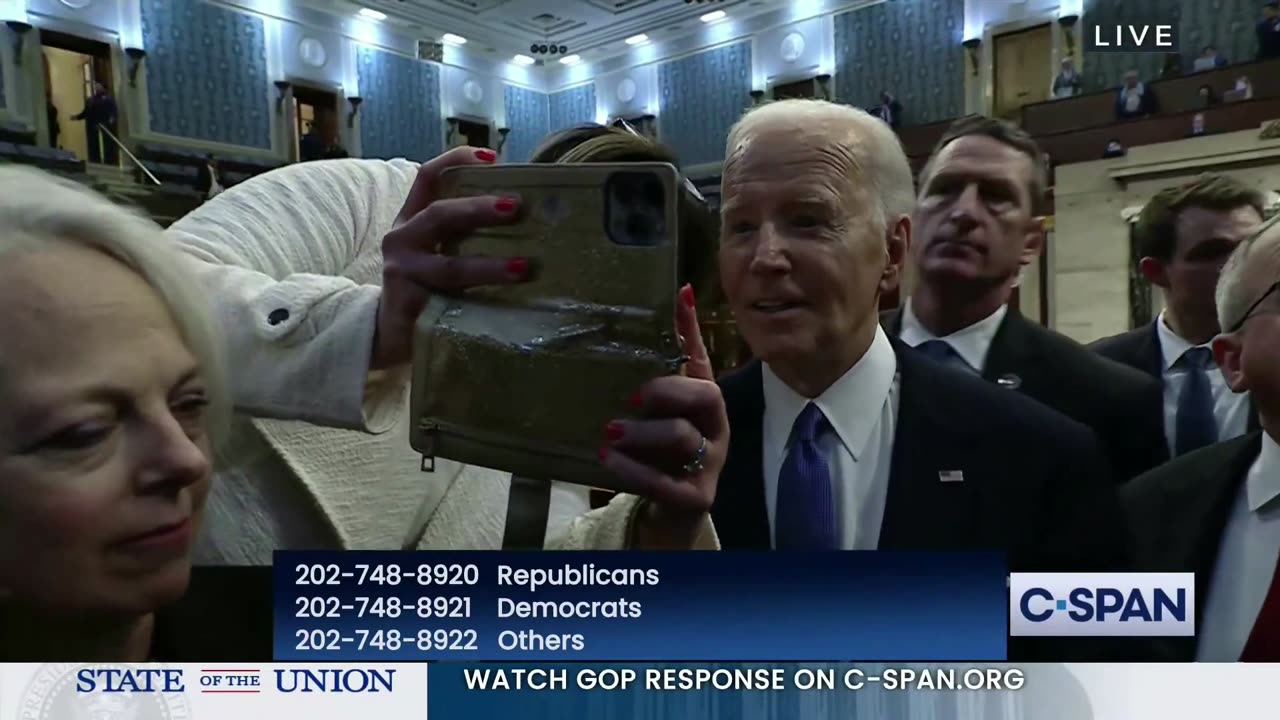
(995, 56)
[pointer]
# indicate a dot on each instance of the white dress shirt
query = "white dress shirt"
(971, 343)
(1246, 561)
(1230, 409)
(862, 407)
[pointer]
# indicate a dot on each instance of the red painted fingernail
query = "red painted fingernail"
(637, 399)
(604, 453)
(505, 205)
(613, 431)
(486, 155)
(518, 267)
(686, 294)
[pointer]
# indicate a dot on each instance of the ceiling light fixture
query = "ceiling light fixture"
(570, 59)
(372, 14)
(453, 39)
(712, 16)
(522, 60)
(638, 39)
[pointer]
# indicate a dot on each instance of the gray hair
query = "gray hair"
(878, 159)
(38, 210)
(1233, 295)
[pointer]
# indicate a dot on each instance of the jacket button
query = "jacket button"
(278, 316)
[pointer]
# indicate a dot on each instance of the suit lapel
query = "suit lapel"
(1151, 354)
(921, 510)
(1011, 357)
(740, 515)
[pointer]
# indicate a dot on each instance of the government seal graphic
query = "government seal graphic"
(52, 695)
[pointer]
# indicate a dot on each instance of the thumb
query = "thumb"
(699, 364)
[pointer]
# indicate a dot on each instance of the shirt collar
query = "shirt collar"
(852, 404)
(1264, 478)
(1172, 345)
(971, 343)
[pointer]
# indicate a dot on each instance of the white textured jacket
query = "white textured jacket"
(319, 455)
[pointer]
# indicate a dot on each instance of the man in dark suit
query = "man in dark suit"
(1268, 31)
(976, 229)
(1184, 234)
(889, 110)
(1216, 511)
(842, 438)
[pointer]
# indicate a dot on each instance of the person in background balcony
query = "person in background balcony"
(1068, 82)
(1268, 31)
(1135, 99)
(319, 271)
(889, 110)
(1210, 59)
(1206, 96)
(112, 402)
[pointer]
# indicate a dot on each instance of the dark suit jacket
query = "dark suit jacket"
(1140, 349)
(1176, 516)
(1034, 481)
(226, 616)
(1059, 372)
(204, 179)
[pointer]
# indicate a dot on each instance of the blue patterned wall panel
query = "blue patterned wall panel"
(572, 107)
(528, 116)
(702, 96)
(401, 113)
(1228, 25)
(207, 73)
(910, 48)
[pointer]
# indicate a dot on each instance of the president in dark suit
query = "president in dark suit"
(1216, 511)
(842, 438)
(1184, 234)
(976, 229)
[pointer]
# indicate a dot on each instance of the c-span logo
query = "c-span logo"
(1102, 604)
(53, 694)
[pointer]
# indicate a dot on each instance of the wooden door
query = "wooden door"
(1023, 71)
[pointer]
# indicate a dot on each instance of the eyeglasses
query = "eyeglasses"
(689, 187)
(1248, 314)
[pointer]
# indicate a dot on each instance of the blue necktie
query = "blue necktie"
(805, 517)
(1195, 426)
(941, 352)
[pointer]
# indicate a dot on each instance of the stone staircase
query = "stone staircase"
(165, 204)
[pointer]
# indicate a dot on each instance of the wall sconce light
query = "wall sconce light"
(502, 138)
(20, 29)
(354, 101)
(282, 89)
(136, 56)
(1068, 23)
(971, 46)
(824, 85)
(757, 96)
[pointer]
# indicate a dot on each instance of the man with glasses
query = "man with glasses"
(1216, 511)
(1184, 234)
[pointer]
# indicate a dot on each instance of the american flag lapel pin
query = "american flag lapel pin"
(950, 476)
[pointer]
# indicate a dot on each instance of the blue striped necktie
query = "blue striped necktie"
(805, 517)
(1195, 426)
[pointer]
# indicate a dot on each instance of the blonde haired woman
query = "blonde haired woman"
(112, 399)
(319, 271)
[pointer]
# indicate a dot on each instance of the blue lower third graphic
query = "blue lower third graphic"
(638, 606)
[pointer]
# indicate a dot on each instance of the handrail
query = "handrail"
(131, 156)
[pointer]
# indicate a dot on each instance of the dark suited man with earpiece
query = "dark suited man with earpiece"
(976, 230)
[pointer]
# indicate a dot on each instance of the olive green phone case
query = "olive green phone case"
(523, 378)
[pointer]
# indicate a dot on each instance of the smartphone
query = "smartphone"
(523, 378)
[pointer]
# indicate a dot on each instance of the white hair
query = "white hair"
(1233, 295)
(39, 210)
(879, 162)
